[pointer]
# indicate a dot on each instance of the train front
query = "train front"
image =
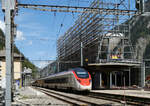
(83, 79)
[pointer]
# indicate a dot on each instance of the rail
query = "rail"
(96, 99)
(132, 100)
(77, 99)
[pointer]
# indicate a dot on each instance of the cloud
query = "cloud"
(41, 53)
(42, 64)
(19, 35)
(53, 57)
(30, 43)
(2, 25)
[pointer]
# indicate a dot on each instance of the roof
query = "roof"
(3, 53)
(115, 64)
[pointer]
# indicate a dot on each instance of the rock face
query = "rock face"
(140, 48)
(140, 35)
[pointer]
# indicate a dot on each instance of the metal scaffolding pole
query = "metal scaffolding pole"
(143, 6)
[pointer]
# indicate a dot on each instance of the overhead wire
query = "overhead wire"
(61, 26)
(62, 23)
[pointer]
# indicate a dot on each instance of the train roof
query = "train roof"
(59, 73)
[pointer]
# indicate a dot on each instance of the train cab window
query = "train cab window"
(81, 73)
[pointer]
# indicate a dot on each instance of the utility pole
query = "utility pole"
(8, 55)
(143, 6)
(81, 54)
(8, 6)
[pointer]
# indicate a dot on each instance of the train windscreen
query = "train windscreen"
(81, 73)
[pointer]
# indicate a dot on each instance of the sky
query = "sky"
(38, 31)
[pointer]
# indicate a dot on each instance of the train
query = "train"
(74, 79)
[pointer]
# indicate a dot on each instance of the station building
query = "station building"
(17, 69)
(117, 75)
(100, 42)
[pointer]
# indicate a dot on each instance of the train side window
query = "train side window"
(58, 80)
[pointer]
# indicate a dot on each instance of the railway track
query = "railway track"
(78, 100)
(96, 99)
(131, 100)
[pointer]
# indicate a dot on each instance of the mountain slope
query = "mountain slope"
(2, 40)
(26, 63)
(140, 36)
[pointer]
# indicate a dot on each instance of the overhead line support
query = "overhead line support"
(55, 8)
(9, 7)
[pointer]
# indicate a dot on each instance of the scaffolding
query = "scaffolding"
(105, 35)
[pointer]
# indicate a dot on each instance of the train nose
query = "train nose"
(85, 82)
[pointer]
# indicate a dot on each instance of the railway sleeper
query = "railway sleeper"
(87, 102)
(66, 99)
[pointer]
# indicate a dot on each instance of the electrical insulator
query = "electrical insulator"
(139, 5)
(11, 6)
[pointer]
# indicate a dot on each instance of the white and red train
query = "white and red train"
(74, 79)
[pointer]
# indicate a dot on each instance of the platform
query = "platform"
(29, 96)
(134, 93)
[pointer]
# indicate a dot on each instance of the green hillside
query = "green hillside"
(2, 40)
(26, 62)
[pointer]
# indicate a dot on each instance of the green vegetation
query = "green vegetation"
(2, 40)
(26, 63)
